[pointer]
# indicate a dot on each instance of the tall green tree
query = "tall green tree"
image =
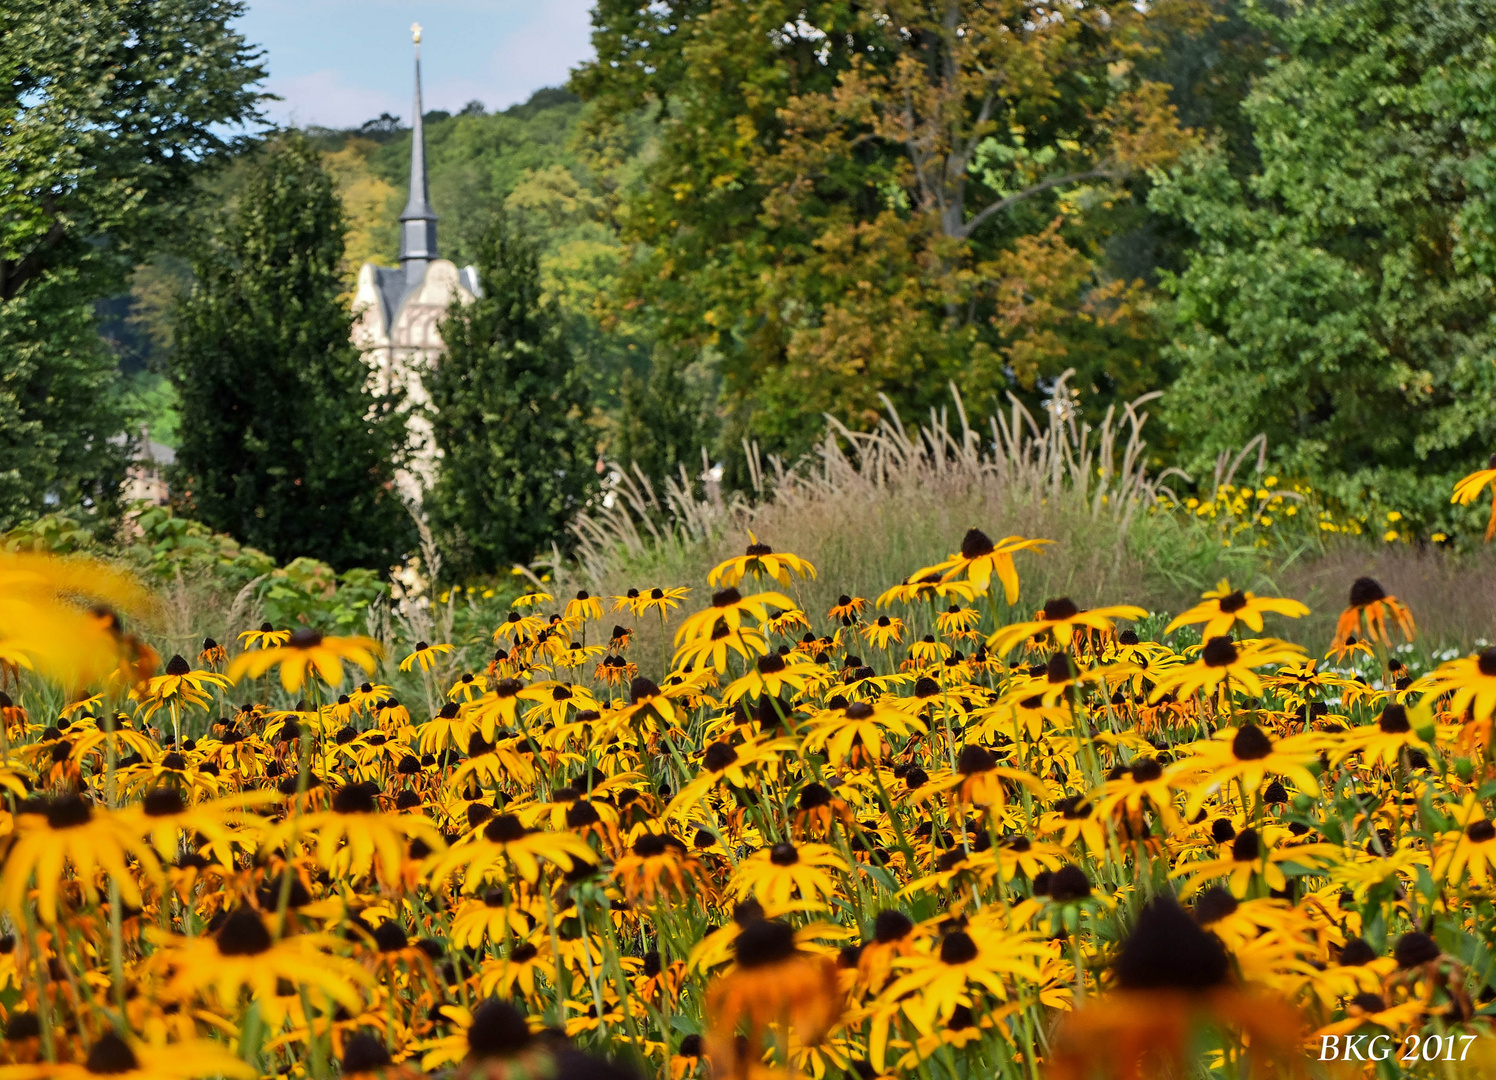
(283, 445)
(1338, 298)
(62, 418)
(509, 417)
(851, 200)
(109, 111)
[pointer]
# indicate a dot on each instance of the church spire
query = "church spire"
(418, 222)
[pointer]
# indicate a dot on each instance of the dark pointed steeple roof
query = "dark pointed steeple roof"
(418, 222)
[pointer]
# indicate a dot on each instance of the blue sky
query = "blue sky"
(341, 62)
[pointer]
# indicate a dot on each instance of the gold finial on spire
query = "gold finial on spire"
(415, 32)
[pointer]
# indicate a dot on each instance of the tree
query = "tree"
(508, 415)
(855, 200)
(59, 406)
(1338, 299)
(109, 111)
(283, 445)
(666, 419)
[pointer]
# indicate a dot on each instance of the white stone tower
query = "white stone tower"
(398, 310)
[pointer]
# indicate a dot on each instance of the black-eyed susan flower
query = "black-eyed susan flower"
(847, 609)
(304, 651)
(517, 627)
(211, 652)
(1469, 489)
(661, 600)
(243, 955)
(1224, 607)
(1140, 787)
(967, 962)
(1171, 983)
(731, 607)
(353, 837)
(1059, 619)
(659, 867)
(1221, 659)
(70, 832)
(583, 608)
(1252, 853)
(505, 848)
(1467, 852)
(266, 637)
(868, 725)
(771, 675)
(979, 559)
(787, 622)
(1369, 608)
(1246, 754)
(132, 1059)
(178, 687)
(760, 560)
(775, 875)
(772, 981)
(425, 655)
(883, 630)
(1471, 683)
(715, 650)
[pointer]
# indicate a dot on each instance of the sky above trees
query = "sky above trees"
(338, 63)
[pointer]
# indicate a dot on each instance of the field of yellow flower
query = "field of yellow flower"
(945, 832)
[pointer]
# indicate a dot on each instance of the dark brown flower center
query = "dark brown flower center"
(68, 812)
(1485, 662)
(1214, 904)
(504, 829)
(307, 638)
(957, 948)
(498, 1030)
(111, 1056)
(1219, 652)
(1233, 602)
(177, 666)
(163, 802)
(763, 942)
(1147, 770)
(1060, 608)
(1394, 720)
(718, 756)
(1365, 590)
(243, 933)
(974, 759)
(784, 854)
(890, 926)
(1168, 950)
(975, 544)
(1251, 743)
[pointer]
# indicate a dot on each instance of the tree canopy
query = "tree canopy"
(1338, 298)
(283, 445)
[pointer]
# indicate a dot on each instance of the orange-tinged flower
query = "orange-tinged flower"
(1468, 489)
(1371, 603)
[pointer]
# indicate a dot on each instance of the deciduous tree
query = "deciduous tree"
(283, 445)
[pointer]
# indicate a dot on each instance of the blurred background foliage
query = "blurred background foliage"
(750, 216)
